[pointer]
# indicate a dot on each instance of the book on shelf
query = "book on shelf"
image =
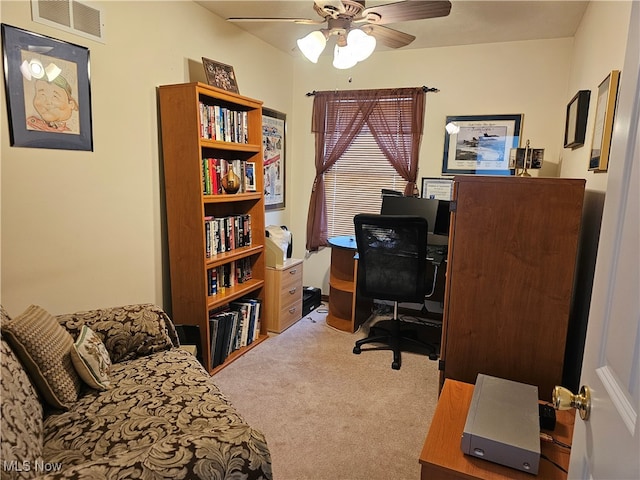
(223, 234)
(228, 275)
(233, 326)
(223, 124)
(214, 170)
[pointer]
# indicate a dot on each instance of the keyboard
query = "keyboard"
(436, 253)
(436, 250)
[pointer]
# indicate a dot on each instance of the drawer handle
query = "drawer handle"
(293, 271)
(293, 290)
(292, 309)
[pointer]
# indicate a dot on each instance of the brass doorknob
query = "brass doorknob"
(563, 399)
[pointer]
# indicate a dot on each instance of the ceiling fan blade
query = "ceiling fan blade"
(407, 10)
(330, 5)
(388, 36)
(304, 21)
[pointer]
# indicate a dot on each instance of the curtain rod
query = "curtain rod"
(424, 89)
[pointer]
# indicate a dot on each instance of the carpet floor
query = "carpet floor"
(330, 414)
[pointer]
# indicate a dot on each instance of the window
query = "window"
(353, 184)
(366, 140)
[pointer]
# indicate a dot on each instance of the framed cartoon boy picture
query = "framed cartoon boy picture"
(48, 91)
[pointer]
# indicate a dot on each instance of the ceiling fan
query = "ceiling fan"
(357, 28)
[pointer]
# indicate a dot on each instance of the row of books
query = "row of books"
(224, 124)
(215, 169)
(228, 275)
(237, 326)
(223, 234)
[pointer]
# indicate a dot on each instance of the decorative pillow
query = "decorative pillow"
(44, 347)
(91, 359)
(128, 332)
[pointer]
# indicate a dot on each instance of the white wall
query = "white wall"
(84, 229)
(535, 78)
(599, 48)
(528, 78)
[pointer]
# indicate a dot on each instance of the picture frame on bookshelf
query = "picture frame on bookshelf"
(274, 126)
(220, 75)
(250, 177)
(37, 68)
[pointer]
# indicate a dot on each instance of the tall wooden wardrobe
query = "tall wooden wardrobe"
(510, 276)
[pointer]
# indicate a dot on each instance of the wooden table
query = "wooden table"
(442, 458)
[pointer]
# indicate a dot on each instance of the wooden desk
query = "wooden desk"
(442, 458)
(347, 309)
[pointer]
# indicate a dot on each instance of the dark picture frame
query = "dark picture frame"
(575, 128)
(38, 67)
(220, 75)
(603, 125)
(481, 144)
(274, 127)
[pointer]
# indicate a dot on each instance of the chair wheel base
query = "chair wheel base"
(356, 350)
(433, 356)
(395, 365)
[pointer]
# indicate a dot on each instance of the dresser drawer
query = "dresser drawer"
(291, 277)
(283, 289)
(290, 315)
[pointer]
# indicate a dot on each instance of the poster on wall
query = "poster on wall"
(273, 151)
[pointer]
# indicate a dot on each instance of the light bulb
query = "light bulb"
(361, 44)
(312, 45)
(343, 57)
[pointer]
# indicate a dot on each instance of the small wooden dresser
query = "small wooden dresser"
(283, 285)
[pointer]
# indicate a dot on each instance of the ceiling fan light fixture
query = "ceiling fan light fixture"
(361, 44)
(343, 57)
(312, 45)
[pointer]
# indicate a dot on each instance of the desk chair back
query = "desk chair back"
(392, 252)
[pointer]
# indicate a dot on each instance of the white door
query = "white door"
(607, 445)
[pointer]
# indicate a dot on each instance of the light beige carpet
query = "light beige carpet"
(330, 414)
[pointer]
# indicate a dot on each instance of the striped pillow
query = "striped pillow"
(44, 347)
(91, 359)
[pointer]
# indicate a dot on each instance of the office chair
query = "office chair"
(392, 261)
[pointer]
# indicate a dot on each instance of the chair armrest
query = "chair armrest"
(128, 332)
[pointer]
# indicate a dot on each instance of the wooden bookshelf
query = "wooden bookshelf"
(183, 150)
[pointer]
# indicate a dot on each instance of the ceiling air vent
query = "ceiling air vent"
(71, 16)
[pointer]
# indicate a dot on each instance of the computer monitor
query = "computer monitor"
(435, 211)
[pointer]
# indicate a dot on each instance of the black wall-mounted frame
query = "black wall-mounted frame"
(31, 122)
(576, 122)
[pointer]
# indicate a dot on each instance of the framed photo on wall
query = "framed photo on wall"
(603, 128)
(48, 91)
(480, 144)
(576, 122)
(273, 150)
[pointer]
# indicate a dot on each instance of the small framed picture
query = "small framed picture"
(250, 177)
(220, 75)
(576, 122)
